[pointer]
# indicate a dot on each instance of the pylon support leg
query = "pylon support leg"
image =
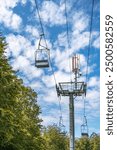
(71, 122)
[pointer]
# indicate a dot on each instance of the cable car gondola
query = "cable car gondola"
(84, 131)
(42, 55)
(84, 128)
(62, 126)
(42, 58)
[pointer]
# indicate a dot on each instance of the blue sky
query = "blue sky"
(20, 25)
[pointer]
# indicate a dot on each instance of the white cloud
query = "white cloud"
(50, 96)
(93, 96)
(14, 44)
(80, 21)
(18, 44)
(48, 80)
(79, 41)
(36, 85)
(91, 69)
(23, 1)
(62, 39)
(15, 21)
(8, 4)
(80, 35)
(23, 64)
(62, 60)
(62, 76)
(94, 82)
(7, 16)
(32, 30)
(52, 13)
(93, 99)
(96, 43)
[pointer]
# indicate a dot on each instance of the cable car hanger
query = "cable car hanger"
(42, 55)
(61, 126)
(39, 44)
(84, 126)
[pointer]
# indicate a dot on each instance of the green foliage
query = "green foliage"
(55, 138)
(95, 142)
(84, 143)
(19, 113)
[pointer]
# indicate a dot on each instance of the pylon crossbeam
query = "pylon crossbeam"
(67, 88)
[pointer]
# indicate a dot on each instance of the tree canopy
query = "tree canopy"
(19, 113)
(55, 138)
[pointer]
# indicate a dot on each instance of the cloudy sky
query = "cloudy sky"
(20, 25)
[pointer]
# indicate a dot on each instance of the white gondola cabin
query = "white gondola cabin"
(42, 58)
